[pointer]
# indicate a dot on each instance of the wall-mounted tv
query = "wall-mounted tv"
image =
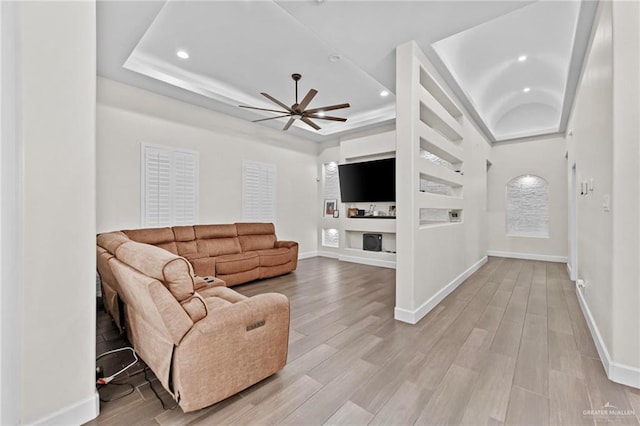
(369, 181)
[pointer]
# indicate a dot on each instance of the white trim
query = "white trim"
(569, 270)
(528, 256)
(616, 372)
(77, 413)
(366, 261)
(329, 254)
(307, 255)
(412, 317)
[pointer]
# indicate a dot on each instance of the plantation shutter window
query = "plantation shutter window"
(169, 186)
(258, 192)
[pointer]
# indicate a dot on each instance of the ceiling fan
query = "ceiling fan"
(298, 111)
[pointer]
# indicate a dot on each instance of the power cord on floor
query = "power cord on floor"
(164, 407)
(101, 382)
(107, 380)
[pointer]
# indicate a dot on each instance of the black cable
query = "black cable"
(164, 407)
(119, 396)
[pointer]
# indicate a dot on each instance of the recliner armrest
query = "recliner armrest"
(285, 244)
(245, 314)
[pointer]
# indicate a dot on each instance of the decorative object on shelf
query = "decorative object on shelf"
(454, 215)
(299, 111)
(329, 207)
(352, 212)
(392, 210)
(336, 213)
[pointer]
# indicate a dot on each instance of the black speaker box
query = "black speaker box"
(372, 242)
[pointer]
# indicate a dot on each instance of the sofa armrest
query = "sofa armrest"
(203, 283)
(230, 349)
(246, 314)
(285, 244)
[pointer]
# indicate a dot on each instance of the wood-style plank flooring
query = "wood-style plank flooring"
(508, 346)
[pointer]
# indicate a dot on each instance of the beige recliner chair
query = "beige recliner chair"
(203, 342)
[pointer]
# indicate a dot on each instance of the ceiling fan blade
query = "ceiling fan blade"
(307, 99)
(310, 123)
(326, 117)
(274, 100)
(289, 123)
(328, 108)
(262, 109)
(272, 118)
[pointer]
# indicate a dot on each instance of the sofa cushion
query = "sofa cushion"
(112, 240)
(153, 236)
(219, 246)
(255, 228)
(215, 231)
(188, 248)
(257, 242)
(184, 233)
(173, 271)
(274, 257)
(159, 237)
(204, 266)
(234, 263)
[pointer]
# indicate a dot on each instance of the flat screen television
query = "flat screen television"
(369, 181)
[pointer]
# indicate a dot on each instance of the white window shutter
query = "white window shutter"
(169, 186)
(157, 187)
(258, 192)
(186, 190)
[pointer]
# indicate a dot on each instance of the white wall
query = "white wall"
(10, 218)
(604, 147)
(544, 157)
(57, 116)
(432, 260)
(128, 116)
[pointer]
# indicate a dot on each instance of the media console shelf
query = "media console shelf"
(372, 217)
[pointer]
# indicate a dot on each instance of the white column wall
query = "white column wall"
(57, 127)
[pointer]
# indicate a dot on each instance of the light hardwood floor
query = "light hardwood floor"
(508, 346)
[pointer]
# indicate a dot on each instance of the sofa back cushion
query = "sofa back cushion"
(255, 228)
(160, 237)
(215, 231)
(256, 236)
(173, 271)
(216, 240)
(112, 240)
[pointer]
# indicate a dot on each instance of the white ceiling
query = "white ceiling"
(241, 48)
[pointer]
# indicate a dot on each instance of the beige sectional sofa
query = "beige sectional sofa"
(234, 253)
(204, 342)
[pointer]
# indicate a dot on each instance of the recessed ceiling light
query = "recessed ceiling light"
(522, 58)
(384, 93)
(182, 54)
(526, 89)
(334, 58)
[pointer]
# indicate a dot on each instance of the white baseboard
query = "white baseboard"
(75, 414)
(307, 255)
(412, 317)
(569, 269)
(527, 256)
(616, 372)
(366, 261)
(329, 254)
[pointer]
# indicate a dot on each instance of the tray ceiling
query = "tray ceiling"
(346, 51)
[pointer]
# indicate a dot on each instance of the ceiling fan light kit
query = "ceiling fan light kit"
(298, 111)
